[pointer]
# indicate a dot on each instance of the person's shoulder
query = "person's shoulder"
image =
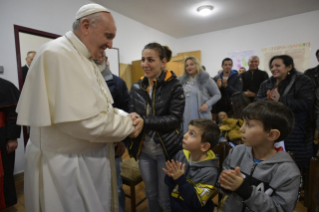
(240, 149)
(303, 78)
(310, 71)
(180, 154)
(57, 47)
(285, 163)
(4, 82)
(7, 84)
(216, 77)
(118, 79)
(264, 73)
(245, 74)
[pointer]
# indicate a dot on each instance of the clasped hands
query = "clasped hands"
(231, 179)
(273, 95)
(174, 169)
(138, 123)
(222, 82)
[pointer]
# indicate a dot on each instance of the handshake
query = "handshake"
(138, 123)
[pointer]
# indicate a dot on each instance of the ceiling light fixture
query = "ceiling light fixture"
(205, 10)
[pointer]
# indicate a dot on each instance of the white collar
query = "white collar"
(78, 45)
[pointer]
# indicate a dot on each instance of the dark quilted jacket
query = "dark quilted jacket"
(300, 99)
(165, 118)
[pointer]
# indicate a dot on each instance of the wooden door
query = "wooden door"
(137, 71)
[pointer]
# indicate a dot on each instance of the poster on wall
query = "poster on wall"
(240, 58)
(300, 53)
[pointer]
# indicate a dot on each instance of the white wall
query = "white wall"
(57, 17)
(215, 46)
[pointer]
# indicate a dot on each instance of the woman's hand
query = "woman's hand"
(139, 124)
(274, 94)
(134, 116)
(203, 108)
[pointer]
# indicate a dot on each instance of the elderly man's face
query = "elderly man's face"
(29, 58)
(101, 35)
(253, 63)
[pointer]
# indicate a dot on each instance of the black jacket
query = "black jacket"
(252, 81)
(300, 99)
(9, 130)
(235, 84)
(121, 98)
(25, 70)
(167, 108)
(119, 92)
(313, 74)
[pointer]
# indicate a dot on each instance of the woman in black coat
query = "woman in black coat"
(296, 91)
(158, 98)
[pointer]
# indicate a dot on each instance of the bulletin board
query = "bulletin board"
(240, 58)
(300, 53)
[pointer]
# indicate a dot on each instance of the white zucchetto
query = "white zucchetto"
(90, 9)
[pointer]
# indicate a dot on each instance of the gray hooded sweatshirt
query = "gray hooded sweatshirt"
(272, 185)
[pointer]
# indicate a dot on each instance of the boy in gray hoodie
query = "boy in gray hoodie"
(257, 176)
(192, 175)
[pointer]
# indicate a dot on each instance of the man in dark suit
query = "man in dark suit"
(25, 69)
(253, 78)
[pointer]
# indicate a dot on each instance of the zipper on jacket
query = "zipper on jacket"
(153, 100)
(251, 174)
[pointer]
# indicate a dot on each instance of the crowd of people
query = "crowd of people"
(82, 118)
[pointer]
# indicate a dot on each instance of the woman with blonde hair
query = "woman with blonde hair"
(201, 92)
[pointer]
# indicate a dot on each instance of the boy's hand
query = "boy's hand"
(174, 169)
(169, 170)
(231, 179)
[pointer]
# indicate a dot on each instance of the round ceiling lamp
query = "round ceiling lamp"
(205, 10)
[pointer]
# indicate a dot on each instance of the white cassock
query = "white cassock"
(69, 160)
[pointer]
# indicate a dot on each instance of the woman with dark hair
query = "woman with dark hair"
(200, 90)
(296, 91)
(158, 98)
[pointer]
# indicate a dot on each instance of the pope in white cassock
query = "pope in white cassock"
(69, 160)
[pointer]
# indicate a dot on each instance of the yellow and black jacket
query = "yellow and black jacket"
(165, 118)
(193, 191)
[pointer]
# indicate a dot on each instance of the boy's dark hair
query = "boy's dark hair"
(227, 59)
(273, 115)
(317, 52)
(239, 101)
(210, 130)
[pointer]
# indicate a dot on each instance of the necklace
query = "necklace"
(188, 88)
(189, 79)
(97, 76)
